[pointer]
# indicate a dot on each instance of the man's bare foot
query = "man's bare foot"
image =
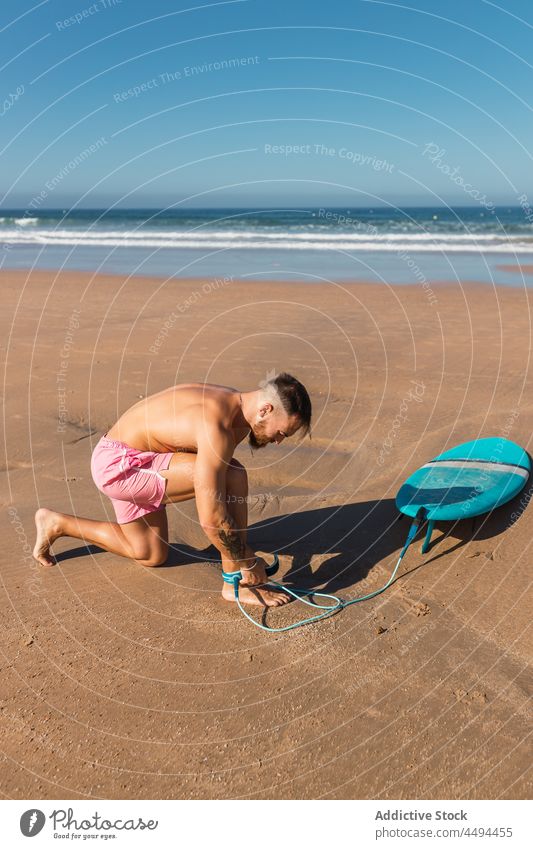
(48, 530)
(266, 597)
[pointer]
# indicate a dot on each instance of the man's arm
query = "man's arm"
(215, 450)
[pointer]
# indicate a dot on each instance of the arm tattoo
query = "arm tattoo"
(231, 540)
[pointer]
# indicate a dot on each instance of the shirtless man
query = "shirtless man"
(177, 445)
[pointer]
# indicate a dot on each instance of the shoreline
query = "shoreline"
(266, 281)
(517, 268)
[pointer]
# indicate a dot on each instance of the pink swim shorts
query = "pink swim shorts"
(129, 477)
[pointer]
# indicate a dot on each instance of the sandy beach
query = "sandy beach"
(124, 682)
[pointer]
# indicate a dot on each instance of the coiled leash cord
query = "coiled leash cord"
(328, 609)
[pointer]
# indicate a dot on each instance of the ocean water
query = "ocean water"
(397, 245)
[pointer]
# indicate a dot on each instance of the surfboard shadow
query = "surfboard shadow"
(356, 537)
(477, 529)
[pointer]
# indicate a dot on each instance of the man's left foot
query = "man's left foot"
(48, 530)
(259, 594)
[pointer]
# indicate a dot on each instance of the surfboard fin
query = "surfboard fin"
(427, 540)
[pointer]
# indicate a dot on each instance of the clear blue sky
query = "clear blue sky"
(374, 82)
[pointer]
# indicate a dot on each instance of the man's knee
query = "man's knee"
(151, 557)
(153, 562)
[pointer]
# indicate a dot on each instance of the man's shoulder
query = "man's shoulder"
(217, 404)
(212, 417)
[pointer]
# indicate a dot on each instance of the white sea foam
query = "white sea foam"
(262, 240)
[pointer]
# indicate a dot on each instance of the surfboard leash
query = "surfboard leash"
(300, 594)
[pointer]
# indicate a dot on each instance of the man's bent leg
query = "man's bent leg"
(237, 497)
(144, 540)
(237, 504)
(179, 477)
(180, 487)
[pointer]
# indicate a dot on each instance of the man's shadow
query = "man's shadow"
(180, 554)
(352, 539)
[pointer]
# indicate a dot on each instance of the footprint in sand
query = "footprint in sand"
(470, 696)
(487, 555)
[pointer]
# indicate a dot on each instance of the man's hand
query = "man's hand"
(255, 576)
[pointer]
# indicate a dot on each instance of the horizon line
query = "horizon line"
(292, 208)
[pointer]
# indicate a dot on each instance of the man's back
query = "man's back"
(170, 419)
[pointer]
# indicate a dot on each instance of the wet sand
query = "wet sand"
(516, 268)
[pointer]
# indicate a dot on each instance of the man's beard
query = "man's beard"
(257, 439)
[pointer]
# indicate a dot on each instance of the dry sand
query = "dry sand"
(124, 682)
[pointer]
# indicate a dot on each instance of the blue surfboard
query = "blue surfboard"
(466, 481)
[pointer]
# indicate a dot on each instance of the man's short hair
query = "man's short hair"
(294, 398)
